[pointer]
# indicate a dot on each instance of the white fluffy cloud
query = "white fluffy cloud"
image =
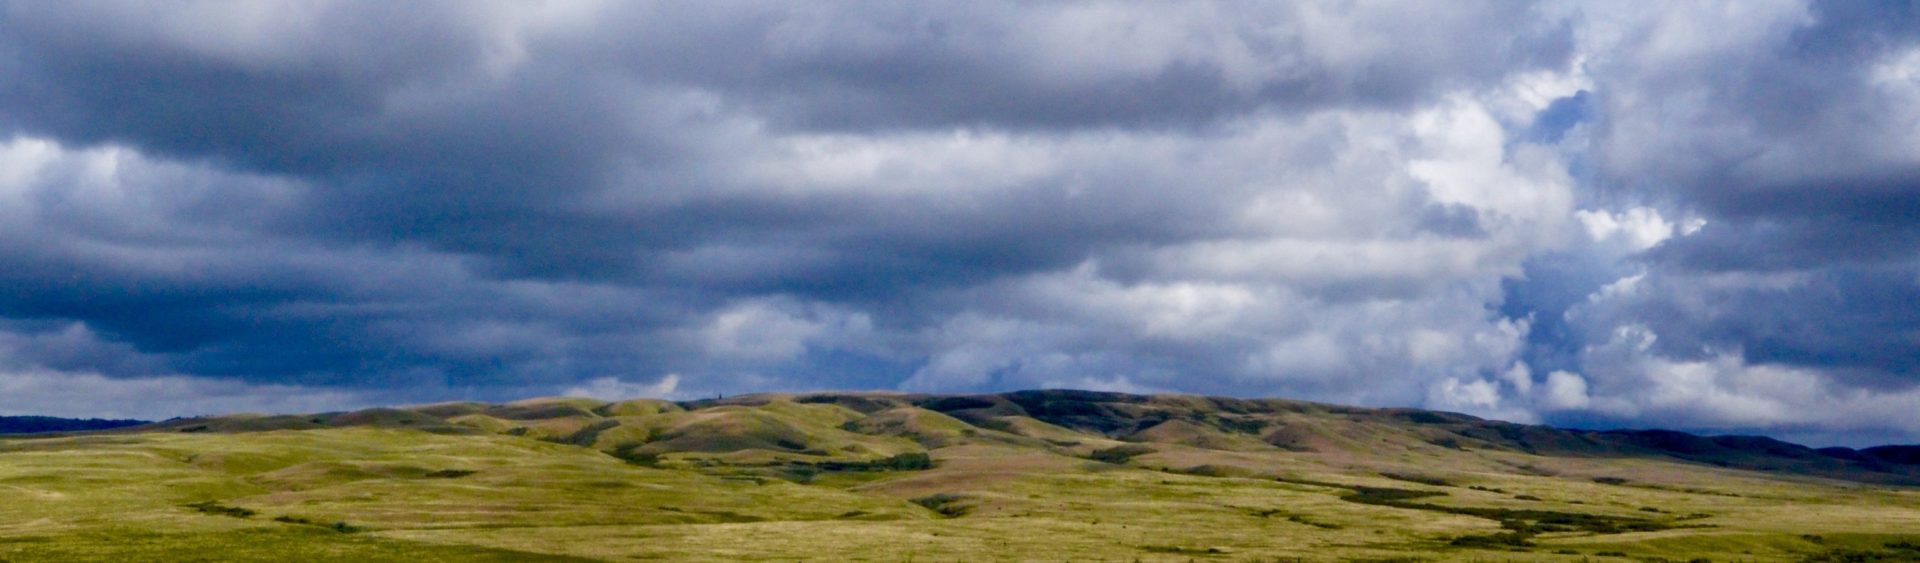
(615, 389)
(1481, 206)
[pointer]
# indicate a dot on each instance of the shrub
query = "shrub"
(341, 527)
(214, 507)
(1501, 540)
(945, 504)
(1387, 496)
(630, 454)
(1421, 479)
(910, 461)
(1298, 519)
(1120, 454)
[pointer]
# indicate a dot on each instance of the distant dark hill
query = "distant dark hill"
(1124, 416)
(34, 424)
(856, 427)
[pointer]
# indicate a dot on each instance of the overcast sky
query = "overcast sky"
(1698, 215)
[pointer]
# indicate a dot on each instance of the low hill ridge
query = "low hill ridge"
(37, 424)
(859, 425)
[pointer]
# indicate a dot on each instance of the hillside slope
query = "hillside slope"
(1031, 475)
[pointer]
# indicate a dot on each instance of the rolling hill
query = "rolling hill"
(1029, 475)
(37, 424)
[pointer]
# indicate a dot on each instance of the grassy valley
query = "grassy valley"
(1038, 475)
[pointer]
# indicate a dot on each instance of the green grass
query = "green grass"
(909, 485)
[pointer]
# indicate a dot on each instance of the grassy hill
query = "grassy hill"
(1032, 475)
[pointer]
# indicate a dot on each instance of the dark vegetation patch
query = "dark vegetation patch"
(1425, 417)
(1521, 524)
(340, 526)
(946, 504)
(1206, 470)
(214, 507)
(1891, 551)
(1417, 478)
(910, 461)
(1120, 454)
(1901, 550)
(950, 404)
(1296, 518)
(1610, 480)
(1178, 550)
(1235, 424)
(804, 472)
(451, 473)
(630, 453)
(858, 403)
(587, 436)
(1502, 540)
(1387, 496)
(1302, 519)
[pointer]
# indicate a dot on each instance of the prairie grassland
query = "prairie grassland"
(784, 481)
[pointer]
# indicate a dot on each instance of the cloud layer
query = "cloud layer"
(1698, 215)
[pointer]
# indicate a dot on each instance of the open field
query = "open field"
(1050, 476)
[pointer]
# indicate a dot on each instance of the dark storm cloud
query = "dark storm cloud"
(1480, 206)
(1756, 267)
(1790, 150)
(475, 131)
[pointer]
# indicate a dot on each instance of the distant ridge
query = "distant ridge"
(37, 424)
(1209, 423)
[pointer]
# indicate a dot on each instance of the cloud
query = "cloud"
(1455, 206)
(1565, 391)
(91, 395)
(616, 389)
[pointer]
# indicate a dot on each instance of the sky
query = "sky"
(1699, 215)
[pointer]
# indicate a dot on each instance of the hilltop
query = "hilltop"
(887, 476)
(36, 424)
